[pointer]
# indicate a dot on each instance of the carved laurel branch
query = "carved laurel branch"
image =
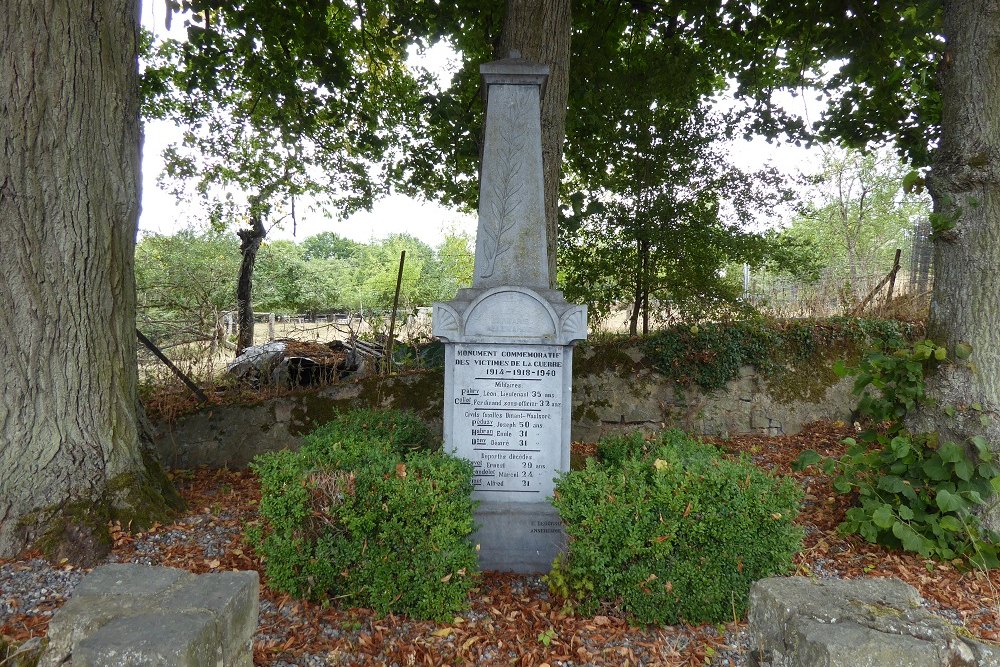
(507, 185)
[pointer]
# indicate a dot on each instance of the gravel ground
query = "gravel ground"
(508, 613)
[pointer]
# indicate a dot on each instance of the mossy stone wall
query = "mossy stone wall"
(616, 388)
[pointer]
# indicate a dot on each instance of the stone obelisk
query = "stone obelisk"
(509, 339)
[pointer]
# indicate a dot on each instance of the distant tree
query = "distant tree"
(455, 264)
(377, 267)
(667, 214)
(184, 284)
(278, 100)
(328, 245)
(859, 214)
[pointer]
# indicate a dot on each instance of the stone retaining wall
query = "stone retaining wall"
(614, 390)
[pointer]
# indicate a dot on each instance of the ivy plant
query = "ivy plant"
(914, 492)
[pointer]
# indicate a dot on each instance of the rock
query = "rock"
(803, 622)
(257, 361)
(138, 615)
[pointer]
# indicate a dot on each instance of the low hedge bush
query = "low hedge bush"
(670, 531)
(364, 513)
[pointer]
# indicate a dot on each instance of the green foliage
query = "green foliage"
(914, 492)
(280, 100)
(183, 283)
(363, 512)
(860, 214)
(671, 531)
(711, 354)
(665, 216)
(190, 277)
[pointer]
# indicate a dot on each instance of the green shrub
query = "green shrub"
(361, 514)
(914, 492)
(711, 354)
(671, 531)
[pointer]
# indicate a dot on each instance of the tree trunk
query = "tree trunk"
(633, 322)
(540, 30)
(250, 240)
(70, 457)
(965, 185)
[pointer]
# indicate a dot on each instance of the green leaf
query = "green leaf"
(995, 483)
(883, 517)
(900, 446)
(963, 351)
(935, 470)
(940, 354)
(980, 442)
(911, 540)
(964, 469)
(948, 502)
(950, 523)
(891, 483)
(949, 410)
(905, 512)
(951, 452)
(913, 182)
(806, 459)
(843, 485)
(978, 407)
(840, 368)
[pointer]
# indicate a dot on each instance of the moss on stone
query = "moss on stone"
(606, 356)
(805, 380)
(21, 654)
(420, 391)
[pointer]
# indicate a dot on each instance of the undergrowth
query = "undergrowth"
(670, 531)
(914, 491)
(710, 355)
(365, 514)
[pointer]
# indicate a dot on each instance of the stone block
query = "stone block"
(134, 581)
(140, 615)
(160, 639)
(802, 622)
(231, 597)
(518, 537)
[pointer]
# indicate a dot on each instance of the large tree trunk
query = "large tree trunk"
(540, 30)
(250, 240)
(965, 184)
(70, 458)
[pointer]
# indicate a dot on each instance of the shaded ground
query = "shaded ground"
(512, 620)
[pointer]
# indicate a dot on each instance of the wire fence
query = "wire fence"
(840, 291)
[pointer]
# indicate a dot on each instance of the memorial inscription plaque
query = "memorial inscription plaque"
(507, 417)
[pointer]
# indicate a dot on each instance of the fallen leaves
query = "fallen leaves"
(509, 613)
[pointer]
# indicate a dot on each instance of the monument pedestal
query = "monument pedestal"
(518, 537)
(509, 365)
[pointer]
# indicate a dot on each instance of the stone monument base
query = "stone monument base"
(518, 537)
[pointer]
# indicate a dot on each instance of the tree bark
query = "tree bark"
(540, 30)
(250, 240)
(70, 452)
(965, 186)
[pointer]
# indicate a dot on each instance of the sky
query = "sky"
(161, 213)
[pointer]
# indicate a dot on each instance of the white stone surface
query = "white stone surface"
(511, 237)
(508, 340)
(507, 416)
